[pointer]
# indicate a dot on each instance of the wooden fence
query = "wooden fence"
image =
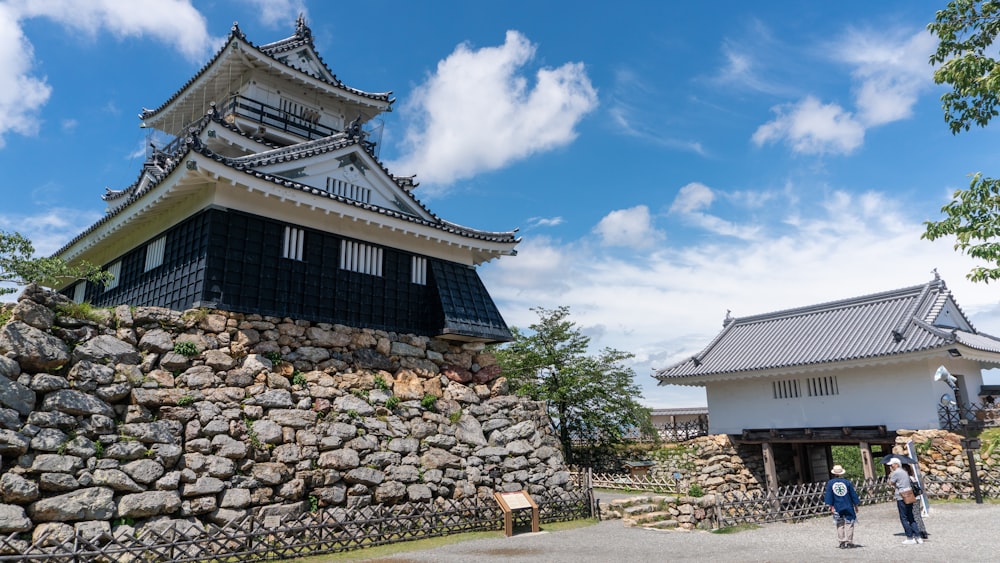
(629, 482)
(790, 503)
(280, 537)
(975, 416)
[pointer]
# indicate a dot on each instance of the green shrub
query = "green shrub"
(381, 383)
(298, 378)
(186, 349)
(849, 457)
(429, 403)
(695, 490)
(274, 357)
(392, 402)
(185, 401)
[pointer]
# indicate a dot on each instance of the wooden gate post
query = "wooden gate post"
(770, 473)
(772, 476)
(866, 460)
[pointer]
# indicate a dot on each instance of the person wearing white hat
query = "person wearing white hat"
(843, 501)
(900, 480)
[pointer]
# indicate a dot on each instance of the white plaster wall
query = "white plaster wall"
(898, 395)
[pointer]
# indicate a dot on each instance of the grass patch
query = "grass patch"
(82, 311)
(368, 553)
(735, 529)
(989, 440)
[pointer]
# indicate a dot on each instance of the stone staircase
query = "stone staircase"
(660, 512)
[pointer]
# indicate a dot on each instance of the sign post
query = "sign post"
(519, 500)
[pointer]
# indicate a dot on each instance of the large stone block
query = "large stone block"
(33, 349)
(105, 349)
(92, 503)
(149, 503)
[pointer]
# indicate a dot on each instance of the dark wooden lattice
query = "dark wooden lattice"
(254, 538)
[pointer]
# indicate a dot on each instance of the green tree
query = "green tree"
(591, 398)
(19, 266)
(966, 59)
(965, 30)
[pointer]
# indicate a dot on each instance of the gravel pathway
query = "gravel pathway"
(958, 531)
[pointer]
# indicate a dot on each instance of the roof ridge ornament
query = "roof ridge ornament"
(301, 29)
(729, 318)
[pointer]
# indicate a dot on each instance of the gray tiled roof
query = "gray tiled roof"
(880, 325)
(678, 411)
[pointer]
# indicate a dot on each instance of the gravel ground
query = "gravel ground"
(958, 531)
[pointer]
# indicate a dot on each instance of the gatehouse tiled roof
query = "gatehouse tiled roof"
(880, 325)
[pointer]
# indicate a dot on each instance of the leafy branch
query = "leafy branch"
(19, 266)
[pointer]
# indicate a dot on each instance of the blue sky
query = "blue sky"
(665, 162)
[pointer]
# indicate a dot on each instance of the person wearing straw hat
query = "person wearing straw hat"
(843, 501)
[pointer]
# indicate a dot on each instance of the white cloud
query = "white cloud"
(890, 73)
(477, 112)
(22, 95)
(278, 13)
(47, 231)
(669, 303)
(695, 198)
(812, 127)
(640, 120)
(545, 221)
(50, 230)
(692, 198)
(631, 228)
(741, 70)
(174, 22)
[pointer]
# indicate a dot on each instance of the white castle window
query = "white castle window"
(154, 253)
(822, 386)
(301, 111)
(360, 257)
(116, 271)
(348, 190)
(786, 389)
(418, 270)
(293, 242)
(79, 292)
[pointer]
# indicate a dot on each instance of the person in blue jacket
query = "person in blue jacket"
(843, 501)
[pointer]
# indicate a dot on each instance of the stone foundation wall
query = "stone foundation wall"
(144, 415)
(942, 457)
(713, 463)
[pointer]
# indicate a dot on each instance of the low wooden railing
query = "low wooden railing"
(619, 481)
(974, 417)
(251, 538)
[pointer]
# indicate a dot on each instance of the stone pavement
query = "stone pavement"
(958, 531)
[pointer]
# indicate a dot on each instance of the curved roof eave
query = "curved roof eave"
(506, 238)
(237, 36)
